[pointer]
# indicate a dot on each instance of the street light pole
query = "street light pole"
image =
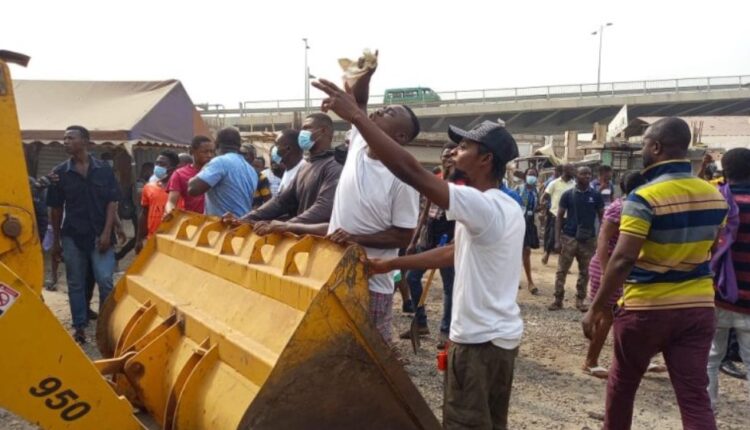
(599, 67)
(307, 79)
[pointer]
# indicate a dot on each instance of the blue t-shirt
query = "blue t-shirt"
(232, 181)
(504, 188)
(582, 208)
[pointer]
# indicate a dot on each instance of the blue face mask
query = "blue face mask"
(160, 172)
(305, 140)
(531, 180)
(275, 157)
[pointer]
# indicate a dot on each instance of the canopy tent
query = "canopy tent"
(115, 112)
(137, 118)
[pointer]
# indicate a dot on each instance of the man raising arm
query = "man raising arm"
(486, 325)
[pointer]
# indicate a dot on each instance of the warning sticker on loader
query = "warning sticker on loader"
(8, 296)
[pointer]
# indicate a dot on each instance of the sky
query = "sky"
(231, 51)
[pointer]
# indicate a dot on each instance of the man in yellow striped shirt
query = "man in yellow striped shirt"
(667, 230)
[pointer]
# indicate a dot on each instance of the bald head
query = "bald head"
(673, 133)
(668, 138)
(228, 140)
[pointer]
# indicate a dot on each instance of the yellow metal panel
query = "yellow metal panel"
(22, 255)
(46, 378)
(264, 331)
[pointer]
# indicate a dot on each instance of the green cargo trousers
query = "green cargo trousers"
(477, 386)
(582, 252)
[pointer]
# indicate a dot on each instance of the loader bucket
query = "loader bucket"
(224, 329)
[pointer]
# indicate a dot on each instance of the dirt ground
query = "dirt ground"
(549, 390)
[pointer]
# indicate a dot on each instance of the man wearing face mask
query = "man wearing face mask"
(155, 196)
(308, 199)
(288, 153)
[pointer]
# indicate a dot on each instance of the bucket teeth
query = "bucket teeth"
(233, 330)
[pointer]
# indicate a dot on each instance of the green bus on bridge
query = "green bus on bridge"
(415, 95)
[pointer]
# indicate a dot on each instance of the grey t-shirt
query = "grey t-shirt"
(309, 198)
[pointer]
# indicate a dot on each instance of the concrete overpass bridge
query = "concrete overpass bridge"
(529, 110)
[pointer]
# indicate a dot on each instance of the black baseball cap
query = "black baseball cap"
(491, 134)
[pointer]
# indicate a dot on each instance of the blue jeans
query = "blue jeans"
(414, 279)
(725, 320)
(76, 265)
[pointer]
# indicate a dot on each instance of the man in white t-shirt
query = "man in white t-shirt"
(371, 201)
(372, 207)
(486, 324)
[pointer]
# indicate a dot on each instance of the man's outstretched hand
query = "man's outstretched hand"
(338, 101)
(377, 266)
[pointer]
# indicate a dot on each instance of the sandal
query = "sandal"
(596, 371)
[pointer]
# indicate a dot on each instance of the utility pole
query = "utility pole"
(599, 67)
(307, 79)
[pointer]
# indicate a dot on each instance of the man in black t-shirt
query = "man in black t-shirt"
(87, 192)
(579, 207)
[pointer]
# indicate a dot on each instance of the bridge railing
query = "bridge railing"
(483, 96)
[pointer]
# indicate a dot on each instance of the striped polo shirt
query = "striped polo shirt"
(679, 216)
(740, 252)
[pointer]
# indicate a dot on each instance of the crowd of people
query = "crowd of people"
(664, 260)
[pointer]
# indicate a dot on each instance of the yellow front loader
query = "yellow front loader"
(210, 328)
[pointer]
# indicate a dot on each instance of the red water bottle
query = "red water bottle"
(442, 358)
